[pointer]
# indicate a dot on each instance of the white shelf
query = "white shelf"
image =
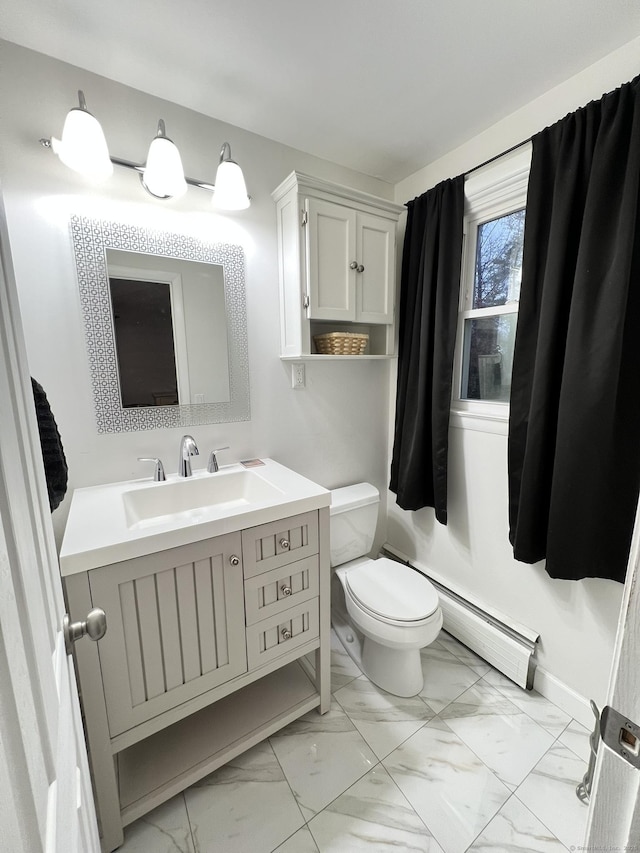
(154, 769)
(319, 357)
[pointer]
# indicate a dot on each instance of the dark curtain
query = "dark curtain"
(574, 433)
(430, 285)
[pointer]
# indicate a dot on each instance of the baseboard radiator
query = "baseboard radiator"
(507, 647)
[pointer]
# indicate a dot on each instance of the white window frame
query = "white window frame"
(495, 190)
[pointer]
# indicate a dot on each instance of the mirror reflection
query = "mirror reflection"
(170, 330)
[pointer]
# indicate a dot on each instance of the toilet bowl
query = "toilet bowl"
(394, 608)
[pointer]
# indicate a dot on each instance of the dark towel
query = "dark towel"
(55, 464)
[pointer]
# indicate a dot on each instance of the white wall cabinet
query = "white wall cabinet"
(337, 260)
(204, 656)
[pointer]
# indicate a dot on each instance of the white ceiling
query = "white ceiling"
(381, 86)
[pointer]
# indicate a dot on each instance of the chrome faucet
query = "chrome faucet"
(213, 466)
(188, 448)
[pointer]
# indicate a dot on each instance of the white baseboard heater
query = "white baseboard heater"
(510, 648)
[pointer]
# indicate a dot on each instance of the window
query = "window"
(490, 286)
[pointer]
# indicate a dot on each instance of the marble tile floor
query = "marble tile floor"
(473, 763)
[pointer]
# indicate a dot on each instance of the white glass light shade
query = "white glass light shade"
(83, 147)
(230, 190)
(163, 173)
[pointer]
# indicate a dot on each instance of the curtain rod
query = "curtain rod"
(492, 159)
(498, 156)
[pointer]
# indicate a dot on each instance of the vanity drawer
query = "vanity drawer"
(282, 633)
(278, 543)
(273, 592)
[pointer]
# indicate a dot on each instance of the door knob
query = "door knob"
(353, 265)
(360, 268)
(95, 627)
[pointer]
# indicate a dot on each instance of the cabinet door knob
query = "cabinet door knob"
(286, 590)
(286, 634)
(360, 268)
(353, 265)
(234, 560)
(284, 543)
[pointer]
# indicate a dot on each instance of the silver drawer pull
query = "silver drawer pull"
(286, 590)
(286, 634)
(284, 543)
(234, 560)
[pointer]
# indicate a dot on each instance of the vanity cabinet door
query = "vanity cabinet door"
(176, 627)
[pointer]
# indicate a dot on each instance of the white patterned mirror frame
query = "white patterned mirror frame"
(91, 239)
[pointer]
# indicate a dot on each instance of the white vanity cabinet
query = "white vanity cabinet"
(204, 656)
(337, 260)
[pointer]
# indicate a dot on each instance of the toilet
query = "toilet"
(388, 611)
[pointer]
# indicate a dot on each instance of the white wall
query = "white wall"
(334, 431)
(576, 620)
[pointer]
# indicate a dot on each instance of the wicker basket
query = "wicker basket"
(341, 343)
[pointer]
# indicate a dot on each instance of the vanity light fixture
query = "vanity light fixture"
(163, 174)
(83, 148)
(230, 191)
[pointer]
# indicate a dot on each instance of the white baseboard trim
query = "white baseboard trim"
(565, 697)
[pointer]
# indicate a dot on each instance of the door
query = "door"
(176, 625)
(375, 252)
(614, 813)
(331, 261)
(46, 802)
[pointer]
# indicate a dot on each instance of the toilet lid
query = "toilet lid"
(392, 590)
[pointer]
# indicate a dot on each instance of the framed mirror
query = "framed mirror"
(165, 326)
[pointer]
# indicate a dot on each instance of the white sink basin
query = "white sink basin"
(187, 498)
(121, 521)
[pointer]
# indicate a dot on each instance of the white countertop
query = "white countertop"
(99, 533)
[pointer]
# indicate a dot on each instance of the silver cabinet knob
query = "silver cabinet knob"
(284, 543)
(360, 268)
(235, 561)
(286, 634)
(95, 627)
(353, 265)
(285, 590)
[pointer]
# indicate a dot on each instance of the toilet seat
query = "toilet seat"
(392, 592)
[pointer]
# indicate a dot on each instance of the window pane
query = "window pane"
(488, 357)
(499, 261)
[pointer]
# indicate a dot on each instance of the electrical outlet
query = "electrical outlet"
(297, 376)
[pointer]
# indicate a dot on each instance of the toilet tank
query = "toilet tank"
(354, 514)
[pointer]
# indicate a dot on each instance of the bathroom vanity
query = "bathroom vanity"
(216, 591)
